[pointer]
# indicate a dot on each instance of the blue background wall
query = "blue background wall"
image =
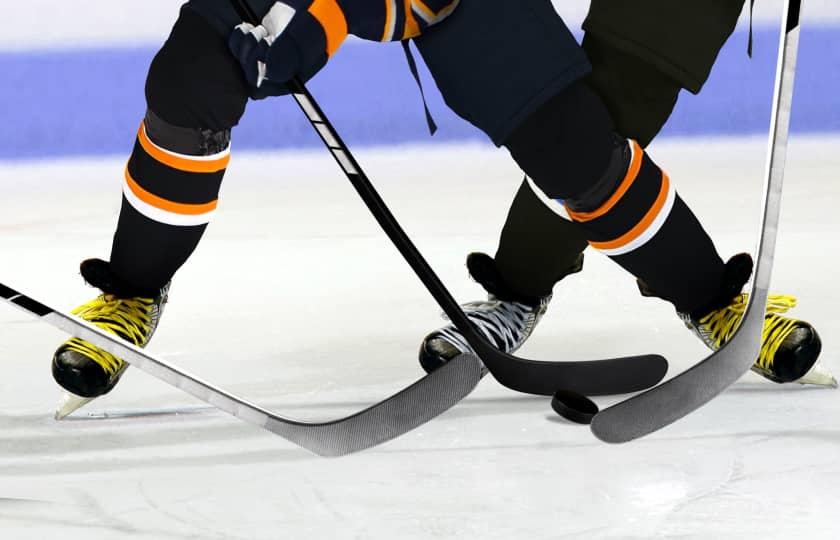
(90, 101)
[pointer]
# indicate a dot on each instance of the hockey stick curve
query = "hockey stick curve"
(593, 377)
(658, 407)
(413, 406)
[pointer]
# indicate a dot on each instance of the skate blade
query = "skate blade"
(818, 375)
(69, 404)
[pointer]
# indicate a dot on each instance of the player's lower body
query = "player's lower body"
(195, 94)
(556, 128)
(636, 76)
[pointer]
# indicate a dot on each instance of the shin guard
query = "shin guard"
(170, 193)
(640, 222)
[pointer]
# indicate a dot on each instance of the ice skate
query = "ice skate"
(505, 320)
(86, 371)
(790, 348)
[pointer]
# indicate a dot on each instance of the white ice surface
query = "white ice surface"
(296, 300)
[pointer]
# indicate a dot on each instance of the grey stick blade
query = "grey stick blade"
(413, 406)
(661, 406)
(658, 407)
(402, 412)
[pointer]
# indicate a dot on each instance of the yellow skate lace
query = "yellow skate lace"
(128, 319)
(721, 325)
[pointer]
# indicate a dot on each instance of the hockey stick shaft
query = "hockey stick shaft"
(612, 376)
(678, 397)
(354, 172)
(411, 407)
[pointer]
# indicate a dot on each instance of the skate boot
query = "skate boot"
(504, 319)
(790, 348)
(86, 371)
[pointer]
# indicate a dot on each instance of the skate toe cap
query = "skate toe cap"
(76, 373)
(436, 351)
(798, 353)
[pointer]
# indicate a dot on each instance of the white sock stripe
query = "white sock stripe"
(422, 14)
(552, 204)
(389, 32)
(162, 216)
(651, 231)
(433, 18)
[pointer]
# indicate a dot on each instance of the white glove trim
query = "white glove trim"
(277, 19)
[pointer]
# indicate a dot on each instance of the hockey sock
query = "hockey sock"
(644, 226)
(196, 93)
(625, 205)
(170, 193)
(537, 247)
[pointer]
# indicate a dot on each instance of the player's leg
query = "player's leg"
(195, 94)
(638, 72)
(537, 246)
(521, 284)
(621, 201)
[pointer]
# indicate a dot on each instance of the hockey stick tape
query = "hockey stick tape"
(573, 406)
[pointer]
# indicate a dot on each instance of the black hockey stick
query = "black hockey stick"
(647, 412)
(411, 407)
(594, 377)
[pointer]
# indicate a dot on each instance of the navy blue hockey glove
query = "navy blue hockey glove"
(290, 42)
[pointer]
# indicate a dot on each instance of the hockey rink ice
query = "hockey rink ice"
(297, 301)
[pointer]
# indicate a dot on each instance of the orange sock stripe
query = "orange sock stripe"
(181, 162)
(642, 225)
(332, 18)
(168, 206)
(629, 178)
(412, 29)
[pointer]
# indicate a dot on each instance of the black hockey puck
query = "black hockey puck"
(574, 407)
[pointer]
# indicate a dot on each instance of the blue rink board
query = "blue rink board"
(89, 102)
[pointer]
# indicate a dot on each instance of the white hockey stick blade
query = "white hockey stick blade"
(411, 407)
(658, 407)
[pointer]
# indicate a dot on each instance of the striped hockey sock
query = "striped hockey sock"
(644, 226)
(170, 193)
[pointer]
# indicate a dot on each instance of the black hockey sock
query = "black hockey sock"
(196, 93)
(624, 204)
(170, 193)
(537, 247)
(484, 269)
(645, 227)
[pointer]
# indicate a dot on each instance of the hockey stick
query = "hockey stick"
(652, 410)
(594, 377)
(413, 406)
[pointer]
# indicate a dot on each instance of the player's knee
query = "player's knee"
(186, 141)
(567, 144)
(194, 81)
